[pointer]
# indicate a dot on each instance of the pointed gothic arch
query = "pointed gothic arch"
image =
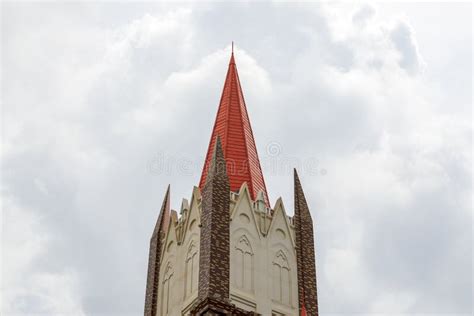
(244, 264)
(191, 270)
(281, 276)
(166, 299)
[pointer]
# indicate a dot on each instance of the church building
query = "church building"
(229, 252)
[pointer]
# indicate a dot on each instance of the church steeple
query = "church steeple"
(229, 253)
(232, 125)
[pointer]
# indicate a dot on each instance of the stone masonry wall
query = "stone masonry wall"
(151, 296)
(306, 264)
(214, 249)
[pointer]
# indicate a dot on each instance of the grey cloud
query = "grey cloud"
(403, 39)
(363, 14)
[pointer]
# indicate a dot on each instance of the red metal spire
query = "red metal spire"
(232, 125)
(303, 311)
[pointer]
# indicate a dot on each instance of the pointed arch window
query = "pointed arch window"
(166, 289)
(191, 271)
(281, 279)
(244, 265)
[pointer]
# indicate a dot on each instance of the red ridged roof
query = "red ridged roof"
(233, 126)
(303, 311)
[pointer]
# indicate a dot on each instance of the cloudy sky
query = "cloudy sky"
(105, 104)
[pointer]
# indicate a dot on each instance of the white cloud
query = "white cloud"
(25, 289)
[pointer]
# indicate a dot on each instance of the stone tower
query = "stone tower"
(229, 252)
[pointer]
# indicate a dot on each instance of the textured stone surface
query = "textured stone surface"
(306, 264)
(214, 248)
(151, 296)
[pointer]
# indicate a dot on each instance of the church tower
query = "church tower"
(229, 252)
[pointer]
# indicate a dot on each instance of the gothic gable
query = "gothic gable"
(243, 214)
(280, 227)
